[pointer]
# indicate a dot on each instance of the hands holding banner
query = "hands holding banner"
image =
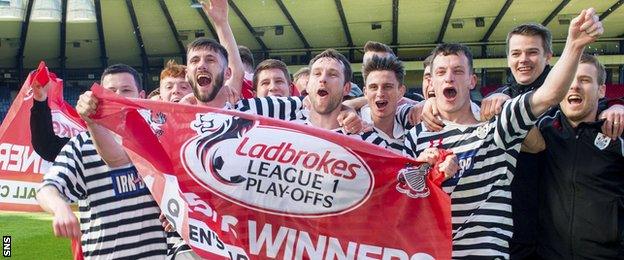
(247, 182)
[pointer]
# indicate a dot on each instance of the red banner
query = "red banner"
(21, 168)
(242, 186)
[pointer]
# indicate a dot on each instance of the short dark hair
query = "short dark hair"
(270, 64)
(377, 47)
(123, 68)
(600, 69)
(246, 55)
(533, 29)
(331, 53)
(446, 49)
(304, 71)
(210, 44)
(390, 63)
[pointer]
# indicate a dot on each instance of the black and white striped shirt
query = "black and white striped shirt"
(480, 192)
(118, 216)
(291, 109)
(401, 125)
(283, 108)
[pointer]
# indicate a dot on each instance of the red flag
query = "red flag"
(21, 168)
(242, 186)
(42, 75)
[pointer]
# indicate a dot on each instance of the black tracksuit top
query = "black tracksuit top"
(581, 212)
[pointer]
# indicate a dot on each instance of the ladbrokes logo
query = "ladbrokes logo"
(274, 169)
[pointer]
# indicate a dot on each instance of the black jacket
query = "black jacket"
(523, 186)
(42, 136)
(581, 214)
(528, 171)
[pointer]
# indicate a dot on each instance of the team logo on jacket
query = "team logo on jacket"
(602, 141)
(274, 169)
(483, 130)
(411, 181)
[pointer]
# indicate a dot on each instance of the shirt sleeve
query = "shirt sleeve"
(284, 108)
(402, 115)
(515, 121)
(44, 141)
(66, 174)
(410, 143)
(502, 90)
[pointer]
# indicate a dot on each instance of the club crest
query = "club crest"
(602, 141)
(411, 181)
(482, 131)
(155, 120)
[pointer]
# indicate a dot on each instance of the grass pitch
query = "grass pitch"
(32, 236)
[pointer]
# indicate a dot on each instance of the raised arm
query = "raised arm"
(217, 11)
(104, 141)
(42, 136)
(583, 30)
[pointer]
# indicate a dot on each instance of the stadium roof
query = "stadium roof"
(139, 32)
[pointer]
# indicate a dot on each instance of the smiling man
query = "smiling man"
(271, 78)
(173, 83)
(207, 70)
(427, 91)
(529, 51)
(117, 220)
(581, 193)
(487, 151)
(383, 89)
(330, 81)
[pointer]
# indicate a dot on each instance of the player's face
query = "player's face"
(452, 79)
(383, 92)
(174, 89)
(581, 102)
(122, 84)
(327, 85)
(426, 84)
(272, 82)
(302, 82)
(526, 58)
(205, 71)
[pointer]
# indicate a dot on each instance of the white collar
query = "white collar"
(398, 130)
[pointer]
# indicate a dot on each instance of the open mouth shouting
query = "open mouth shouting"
(204, 80)
(381, 104)
(574, 99)
(449, 93)
(431, 93)
(322, 93)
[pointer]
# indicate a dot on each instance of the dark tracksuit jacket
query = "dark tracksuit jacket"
(581, 212)
(528, 171)
(524, 199)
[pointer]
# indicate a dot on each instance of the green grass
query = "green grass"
(32, 236)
